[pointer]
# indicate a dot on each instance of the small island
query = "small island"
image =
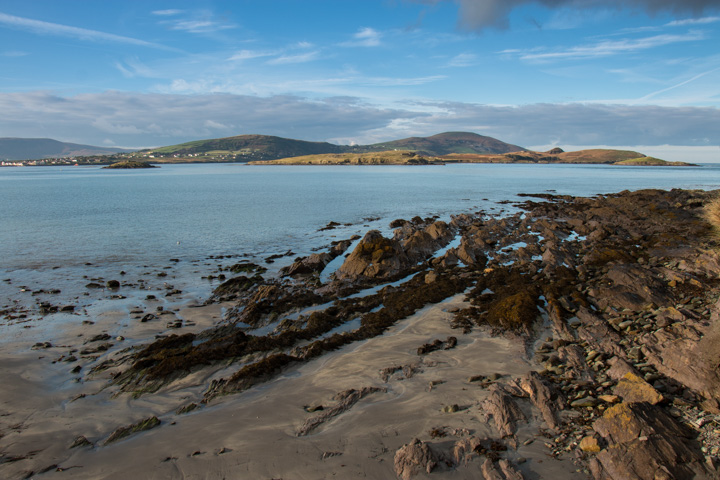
(131, 164)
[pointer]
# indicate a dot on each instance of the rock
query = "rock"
(346, 400)
(413, 458)
(544, 396)
(81, 441)
(589, 444)
(374, 257)
(141, 426)
(504, 411)
(632, 388)
(619, 368)
(584, 402)
(464, 449)
(609, 398)
(314, 263)
(112, 284)
(451, 408)
(646, 443)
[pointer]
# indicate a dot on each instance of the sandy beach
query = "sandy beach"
(489, 358)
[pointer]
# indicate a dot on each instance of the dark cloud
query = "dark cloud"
(480, 14)
(133, 119)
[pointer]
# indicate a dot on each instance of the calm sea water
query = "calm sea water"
(56, 220)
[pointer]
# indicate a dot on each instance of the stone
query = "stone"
(633, 388)
(584, 402)
(589, 444)
(413, 458)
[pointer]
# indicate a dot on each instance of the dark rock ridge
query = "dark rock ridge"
(615, 298)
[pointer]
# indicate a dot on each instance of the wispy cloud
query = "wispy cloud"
(677, 85)
(365, 37)
(194, 22)
(169, 12)
(463, 60)
(693, 21)
(605, 48)
(298, 58)
(47, 28)
(250, 54)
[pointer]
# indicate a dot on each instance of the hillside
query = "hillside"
(248, 148)
(38, 148)
(374, 158)
(447, 143)
(590, 156)
(241, 148)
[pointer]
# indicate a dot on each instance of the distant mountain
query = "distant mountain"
(246, 148)
(38, 148)
(447, 143)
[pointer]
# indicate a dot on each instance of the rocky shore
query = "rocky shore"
(576, 338)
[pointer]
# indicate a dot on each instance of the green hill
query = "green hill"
(242, 148)
(447, 143)
(247, 148)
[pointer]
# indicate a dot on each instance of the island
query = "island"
(131, 164)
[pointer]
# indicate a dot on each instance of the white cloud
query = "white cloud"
(249, 55)
(365, 37)
(693, 21)
(463, 60)
(47, 28)
(164, 119)
(299, 58)
(605, 48)
(169, 12)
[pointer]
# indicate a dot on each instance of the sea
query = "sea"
(170, 228)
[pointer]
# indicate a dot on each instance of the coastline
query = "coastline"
(553, 235)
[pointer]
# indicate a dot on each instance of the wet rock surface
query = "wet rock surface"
(615, 299)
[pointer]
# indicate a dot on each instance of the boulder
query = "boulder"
(504, 411)
(374, 257)
(632, 388)
(413, 458)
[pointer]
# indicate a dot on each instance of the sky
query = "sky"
(641, 74)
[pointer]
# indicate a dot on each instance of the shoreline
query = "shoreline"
(474, 292)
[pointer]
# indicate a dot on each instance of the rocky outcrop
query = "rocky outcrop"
(374, 257)
(504, 411)
(643, 442)
(413, 458)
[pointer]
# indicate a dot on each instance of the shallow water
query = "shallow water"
(61, 227)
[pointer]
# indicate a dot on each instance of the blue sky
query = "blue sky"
(569, 73)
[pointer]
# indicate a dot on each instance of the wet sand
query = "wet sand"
(253, 435)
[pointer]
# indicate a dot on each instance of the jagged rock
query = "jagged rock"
(688, 354)
(619, 368)
(374, 257)
(633, 388)
(413, 458)
(504, 411)
(464, 449)
(345, 399)
(502, 470)
(646, 443)
(311, 264)
(544, 396)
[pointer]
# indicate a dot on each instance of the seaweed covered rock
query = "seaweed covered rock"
(374, 257)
